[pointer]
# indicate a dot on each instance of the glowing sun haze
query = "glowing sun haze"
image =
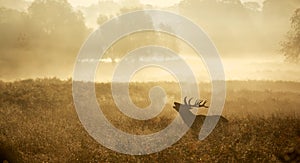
(247, 41)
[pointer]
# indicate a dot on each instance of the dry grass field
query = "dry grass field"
(38, 123)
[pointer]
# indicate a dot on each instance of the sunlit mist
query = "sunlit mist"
(43, 41)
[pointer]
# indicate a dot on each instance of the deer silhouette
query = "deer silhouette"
(185, 112)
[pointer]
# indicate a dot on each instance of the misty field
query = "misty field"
(38, 123)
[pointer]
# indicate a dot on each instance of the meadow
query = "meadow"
(38, 123)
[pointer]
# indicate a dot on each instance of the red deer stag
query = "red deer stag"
(186, 113)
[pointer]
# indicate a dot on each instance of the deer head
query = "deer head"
(187, 116)
(187, 104)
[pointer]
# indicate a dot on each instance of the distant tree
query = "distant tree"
(138, 39)
(20, 5)
(291, 46)
(45, 39)
(12, 34)
(102, 19)
(57, 25)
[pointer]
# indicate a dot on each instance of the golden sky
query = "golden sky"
(161, 3)
(248, 43)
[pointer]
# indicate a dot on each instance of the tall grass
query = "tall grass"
(39, 124)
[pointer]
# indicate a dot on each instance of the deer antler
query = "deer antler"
(202, 104)
(198, 103)
(190, 101)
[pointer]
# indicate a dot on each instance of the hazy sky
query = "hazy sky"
(248, 41)
(152, 2)
(161, 3)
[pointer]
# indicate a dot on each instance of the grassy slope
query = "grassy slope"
(39, 123)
